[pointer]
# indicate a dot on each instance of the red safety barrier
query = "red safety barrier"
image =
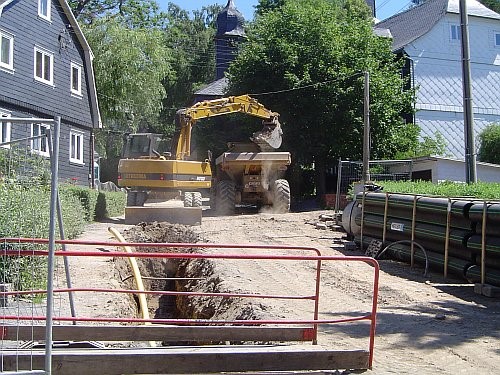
(318, 258)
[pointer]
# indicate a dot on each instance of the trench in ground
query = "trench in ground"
(194, 275)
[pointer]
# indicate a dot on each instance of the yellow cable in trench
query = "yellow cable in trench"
(143, 303)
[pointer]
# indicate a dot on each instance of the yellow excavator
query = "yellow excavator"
(248, 173)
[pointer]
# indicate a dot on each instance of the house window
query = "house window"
(76, 147)
(455, 33)
(497, 39)
(76, 79)
(44, 66)
(6, 51)
(44, 9)
(4, 129)
(39, 145)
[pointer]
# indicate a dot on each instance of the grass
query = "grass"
(479, 190)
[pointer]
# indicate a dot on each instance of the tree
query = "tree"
(492, 4)
(267, 5)
(191, 42)
(309, 57)
(130, 65)
(134, 13)
(427, 147)
(490, 144)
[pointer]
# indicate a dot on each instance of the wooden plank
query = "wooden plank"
(160, 333)
(189, 360)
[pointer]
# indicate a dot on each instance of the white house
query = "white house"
(437, 169)
(428, 36)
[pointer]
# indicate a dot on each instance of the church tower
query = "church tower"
(230, 31)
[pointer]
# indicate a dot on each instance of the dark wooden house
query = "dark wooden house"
(46, 71)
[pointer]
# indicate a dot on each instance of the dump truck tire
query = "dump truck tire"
(188, 199)
(197, 199)
(131, 198)
(225, 197)
(281, 196)
(141, 198)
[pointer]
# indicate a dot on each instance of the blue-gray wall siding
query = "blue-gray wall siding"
(67, 171)
(20, 18)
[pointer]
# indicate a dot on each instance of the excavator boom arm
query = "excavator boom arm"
(186, 118)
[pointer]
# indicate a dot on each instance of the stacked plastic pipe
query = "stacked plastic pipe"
(450, 231)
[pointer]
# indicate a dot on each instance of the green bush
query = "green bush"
(97, 205)
(490, 144)
(109, 204)
(25, 212)
(479, 190)
(86, 196)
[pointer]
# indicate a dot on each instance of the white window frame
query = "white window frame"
(41, 13)
(44, 54)
(40, 145)
(10, 65)
(5, 128)
(455, 33)
(76, 139)
(496, 39)
(77, 91)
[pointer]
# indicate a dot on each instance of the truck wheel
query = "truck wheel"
(188, 199)
(281, 196)
(225, 197)
(197, 201)
(131, 198)
(141, 198)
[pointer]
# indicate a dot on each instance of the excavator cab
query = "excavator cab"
(145, 145)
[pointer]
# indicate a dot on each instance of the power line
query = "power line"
(306, 86)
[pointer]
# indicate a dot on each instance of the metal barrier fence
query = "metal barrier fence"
(22, 168)
(349, 172)
(14, 247)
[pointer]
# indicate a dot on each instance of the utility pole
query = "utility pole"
(366, 131)
(470, 149)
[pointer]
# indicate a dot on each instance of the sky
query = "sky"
(383, 8)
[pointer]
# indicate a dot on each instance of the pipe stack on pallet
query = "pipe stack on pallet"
(450, 231)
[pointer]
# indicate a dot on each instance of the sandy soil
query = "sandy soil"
(426, 325)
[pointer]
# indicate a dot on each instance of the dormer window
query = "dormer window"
(76, 79)
(455, 33)
(6, 51)
(44, 9)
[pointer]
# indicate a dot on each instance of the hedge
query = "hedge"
(25, 211)
(97, 205)
(479, 190)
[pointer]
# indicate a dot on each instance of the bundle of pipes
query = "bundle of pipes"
(450, 231)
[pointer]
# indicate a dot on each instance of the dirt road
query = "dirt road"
(425, 325)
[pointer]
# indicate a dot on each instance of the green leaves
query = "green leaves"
(129, 66)
(326, 46)
(490, 144)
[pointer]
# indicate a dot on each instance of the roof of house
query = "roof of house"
(96, 116)
(214, 88)
(410, 25)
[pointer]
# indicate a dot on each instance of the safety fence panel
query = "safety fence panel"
(302, 322)
(28, 197)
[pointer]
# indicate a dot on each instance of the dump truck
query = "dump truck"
(248, 173)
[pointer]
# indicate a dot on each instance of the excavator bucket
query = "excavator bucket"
(270, 137)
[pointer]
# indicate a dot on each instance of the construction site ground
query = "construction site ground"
(425, 325)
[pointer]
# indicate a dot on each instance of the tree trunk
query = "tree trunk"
(319, 168)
